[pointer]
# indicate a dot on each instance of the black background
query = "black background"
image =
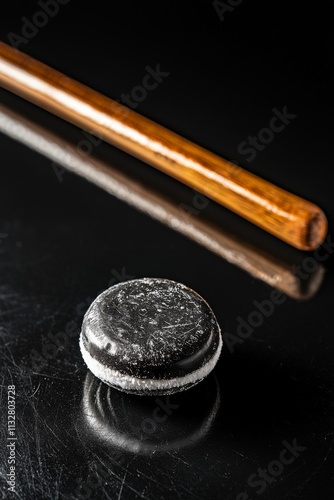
(64, 242)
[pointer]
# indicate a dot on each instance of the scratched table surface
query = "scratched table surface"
(261, 425)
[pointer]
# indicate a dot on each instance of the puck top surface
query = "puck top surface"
(150, 328)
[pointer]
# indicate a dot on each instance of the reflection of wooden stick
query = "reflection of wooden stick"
(236, 251)
(294, 220)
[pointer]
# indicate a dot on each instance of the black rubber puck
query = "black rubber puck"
(150, 336)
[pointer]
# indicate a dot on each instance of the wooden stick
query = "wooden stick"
(287, 216)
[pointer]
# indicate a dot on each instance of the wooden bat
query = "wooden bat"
(294, 220)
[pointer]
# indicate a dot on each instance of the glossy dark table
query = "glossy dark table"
(262, 424)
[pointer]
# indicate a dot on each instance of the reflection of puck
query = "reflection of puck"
(147, 425)
(150, 336)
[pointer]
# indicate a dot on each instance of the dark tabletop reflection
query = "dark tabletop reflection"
(143, 425)
(275, 270)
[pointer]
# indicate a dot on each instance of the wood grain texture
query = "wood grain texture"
(292, 219)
